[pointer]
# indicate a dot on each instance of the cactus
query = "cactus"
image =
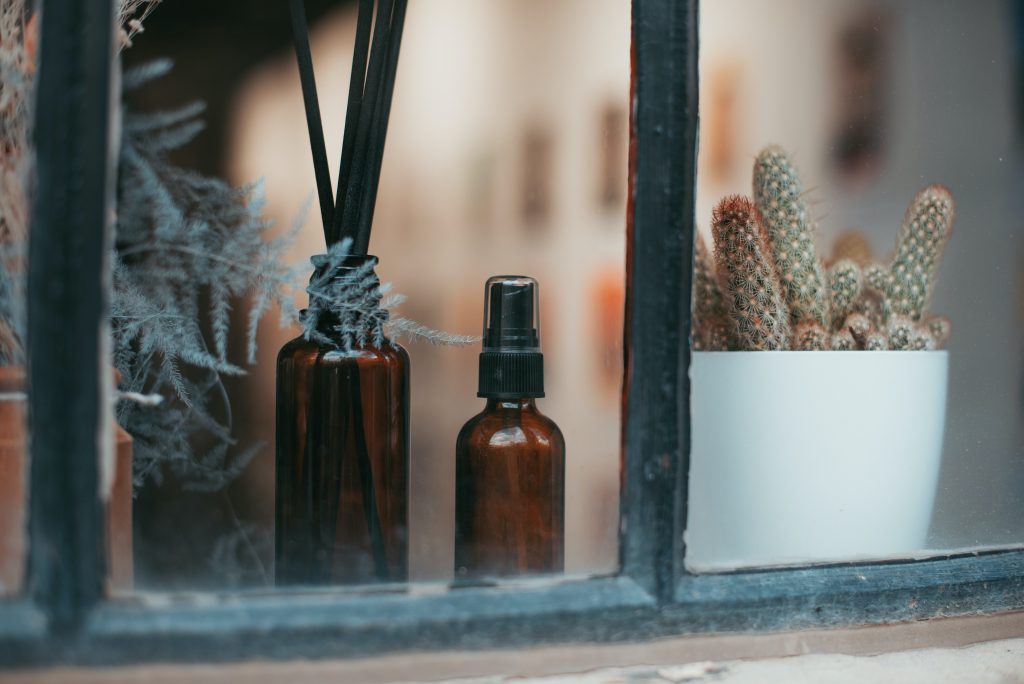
(843, 341)
(906, 285)
(900, 330)
(709, 311)
(853, 245)
(763, 286)
(940, 328)
(809, 336)
(756, 307)
(876, 341)
(859, 326)
(777, 190)
(921, 339)
(717, 335)
(844, 285)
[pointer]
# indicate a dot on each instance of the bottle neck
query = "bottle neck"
(528, 404)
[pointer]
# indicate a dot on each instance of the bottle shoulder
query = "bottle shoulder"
(506, 427)
(301, 347)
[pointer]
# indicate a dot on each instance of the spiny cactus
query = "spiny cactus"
(940, 328)
(766, 287)
(859, 326)
(876, 341)
(809, 336)
(787, 220)
(756, 307)
(709, 313)
(906, 285)
(853, 245)
(844, 285)
(842, 341)
(717, 335)
(900, 330)
(921, 340)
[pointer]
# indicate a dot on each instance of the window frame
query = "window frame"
(65, 618)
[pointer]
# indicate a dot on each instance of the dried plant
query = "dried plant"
(188, 247)
(17, 71)
(348, 300)
(131, 14)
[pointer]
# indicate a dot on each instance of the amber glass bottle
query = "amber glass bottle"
(342, 461)
(510, 459)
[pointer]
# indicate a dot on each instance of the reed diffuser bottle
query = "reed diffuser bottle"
(343, 445)
(510, 459)
(342, 488)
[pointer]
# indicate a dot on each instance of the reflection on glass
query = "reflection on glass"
(842, 447)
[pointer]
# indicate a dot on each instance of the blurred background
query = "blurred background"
(506, 153)
(876, 99)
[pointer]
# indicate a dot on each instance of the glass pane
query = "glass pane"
(870, 431)
(506, 154)
(17, 63)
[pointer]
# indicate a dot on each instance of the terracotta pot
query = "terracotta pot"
(14, 471)
(13, 478)
(120, 564)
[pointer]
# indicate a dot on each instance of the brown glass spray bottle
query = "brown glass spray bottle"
(510, 459)
(342, 454)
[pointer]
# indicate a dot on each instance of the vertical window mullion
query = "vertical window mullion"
(67, 353)
(663, 158)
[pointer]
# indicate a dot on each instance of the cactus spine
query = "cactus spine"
(756, 307)
(777, 190)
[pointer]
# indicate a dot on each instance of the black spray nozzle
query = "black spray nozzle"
(511, 365)
(511, 319)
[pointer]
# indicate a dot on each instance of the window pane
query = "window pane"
(506, 154)
(894, 121)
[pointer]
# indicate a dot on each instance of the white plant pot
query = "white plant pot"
(812, 456)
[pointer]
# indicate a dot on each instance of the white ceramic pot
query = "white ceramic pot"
(812, 456)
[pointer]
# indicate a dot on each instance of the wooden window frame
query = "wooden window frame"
(65, 617)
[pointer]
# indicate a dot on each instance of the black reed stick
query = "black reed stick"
(300, 37)
(379, 132)
(355, 101)
(353, 193)
(370, 510)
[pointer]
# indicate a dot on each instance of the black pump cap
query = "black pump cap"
(511, 364)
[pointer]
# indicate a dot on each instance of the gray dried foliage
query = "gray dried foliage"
(189, 247)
